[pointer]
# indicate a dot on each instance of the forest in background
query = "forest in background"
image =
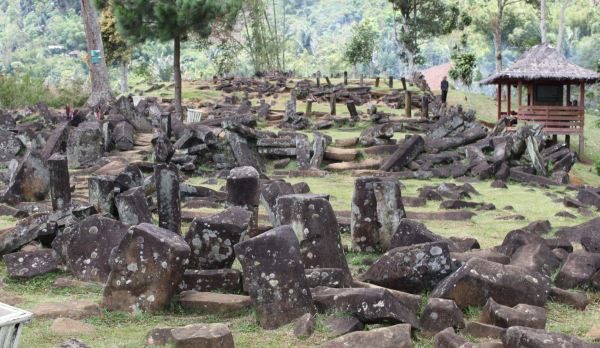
(42, 43)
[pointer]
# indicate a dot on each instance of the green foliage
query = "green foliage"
(362, 45)
(597, 166)
(166, 20)
(418, 20)
(226, 58)
(264, 39)
(23, 89)
(115, 47)
(464, 68)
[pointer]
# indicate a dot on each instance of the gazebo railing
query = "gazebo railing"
(555, 119)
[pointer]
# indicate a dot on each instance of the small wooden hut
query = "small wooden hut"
(545, 78)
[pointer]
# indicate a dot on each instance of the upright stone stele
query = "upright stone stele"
(60, 186)
(243, 190)
(168, 199)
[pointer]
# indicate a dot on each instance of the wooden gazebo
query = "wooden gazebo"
(546, 78)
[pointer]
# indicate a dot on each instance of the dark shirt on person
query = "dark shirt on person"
(445, 85)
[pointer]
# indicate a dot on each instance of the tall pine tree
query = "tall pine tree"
(168, 20)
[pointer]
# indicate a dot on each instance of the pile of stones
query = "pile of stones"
(457, 145)
(296, 266)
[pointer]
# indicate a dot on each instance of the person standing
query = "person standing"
(445, 87)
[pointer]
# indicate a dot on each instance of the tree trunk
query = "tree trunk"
(561, 27)
(177, 73)
(101, 92)
(124, 77)
(411, 61)
(498, 36)
(543, 21)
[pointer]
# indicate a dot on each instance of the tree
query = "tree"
(498, 28)
(117, 50)
(101, 92)
(362, 44)
(420, 20)
(263, 39)
(543, 30)
(167, 20)
(464, 68)
(564, 4)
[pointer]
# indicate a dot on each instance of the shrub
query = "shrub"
(21, 90)
(597, 166)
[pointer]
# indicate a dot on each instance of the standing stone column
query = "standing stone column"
(303, 153)
(403, 80)
(391, 82)
(309, 103)
(243, 190)
(377, 82)
(424, 106)
(345, 78)
(390, 210)
(60, 186)
(168, 200)
(376, 212)
(332, 101)
(408, 104)
(319, 147)
(274, 277)
(352, 110)
(165, 123)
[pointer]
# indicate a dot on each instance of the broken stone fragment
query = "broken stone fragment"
(412, 269)
(578, 270)
(203, 335)
(85, 144)
(132, 207)
(524, 337)
(226, 280)
(274, 276)
(477, 280)
(270, 193)
(305, 325)
(369, 305)
(316, 227)
(212, 239)
(330, 277)
(146, 268)
(377, 210)
(214, 303)
(397, 336)
(88, 244)
(29, 180)
(101, 192)
(26, 230)
(29, 264)
(519, 315)
(440, 314)
(449, 339)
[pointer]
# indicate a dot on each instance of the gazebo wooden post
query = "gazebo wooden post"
(520, 91)
(499, 97)
(568, 102)
(508, 106)
(582, 114)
